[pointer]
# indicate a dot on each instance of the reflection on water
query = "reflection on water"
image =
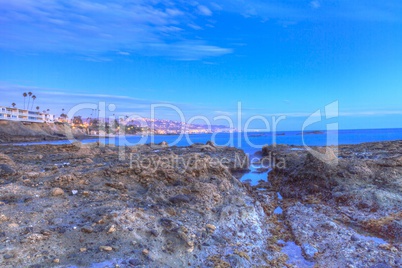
(376, 240)
(254, 178)
(256, 174)
(294, 253)
(278, 210)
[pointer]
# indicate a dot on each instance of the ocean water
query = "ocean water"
(252, 142)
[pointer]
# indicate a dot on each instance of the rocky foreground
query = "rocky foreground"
(347, 211)
(158, 206)
(81, 205)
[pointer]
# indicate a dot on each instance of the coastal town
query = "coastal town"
(97, 126)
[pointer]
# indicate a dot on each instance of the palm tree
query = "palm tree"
(33, 100)
(37, 108)
(24, 95)
(29, 94)
(13, 104)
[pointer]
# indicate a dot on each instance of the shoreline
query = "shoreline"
(89, 138)
(15, 132)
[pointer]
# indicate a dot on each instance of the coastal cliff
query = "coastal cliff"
(30, 132)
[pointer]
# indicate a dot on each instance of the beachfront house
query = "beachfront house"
(48, 118)
(22, 115)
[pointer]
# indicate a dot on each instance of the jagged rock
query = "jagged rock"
(164, 144)
(5, 159)
(309, 251)
(325, 202)
(121, 207)
(211, 143)
(6, 170)
(181, 198)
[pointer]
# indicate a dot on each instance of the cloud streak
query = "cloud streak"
(315, 10)
(156, 27)
(56, 100)
(92, 27)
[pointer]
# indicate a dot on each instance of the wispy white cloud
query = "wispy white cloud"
(315, 4)
(91, 27)
(340, 114)
(290, 10)
(57, 99)
(203, 10)
(157, 27)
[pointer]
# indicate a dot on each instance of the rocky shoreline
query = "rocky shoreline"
(347, 214)
(90, 205)
(70, 205)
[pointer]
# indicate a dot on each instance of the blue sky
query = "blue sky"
(275, 57)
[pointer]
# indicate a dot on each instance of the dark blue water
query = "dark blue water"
(252, 142)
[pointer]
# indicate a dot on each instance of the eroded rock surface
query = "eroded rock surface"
(147, 206)
(349, 207)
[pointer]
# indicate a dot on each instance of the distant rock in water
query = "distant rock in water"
(316, 132)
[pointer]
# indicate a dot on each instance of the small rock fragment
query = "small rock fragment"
(57, 192)
(87, 229)
(105, 248)
(181, 198)
(134, 262)
(88, 161)
(111, 229)
(210, 228)
(32, 175)
(354, 237)
(8, 256)
(3, 218)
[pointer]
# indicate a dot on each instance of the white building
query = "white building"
(15, 114)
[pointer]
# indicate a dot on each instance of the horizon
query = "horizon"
(277, 58)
